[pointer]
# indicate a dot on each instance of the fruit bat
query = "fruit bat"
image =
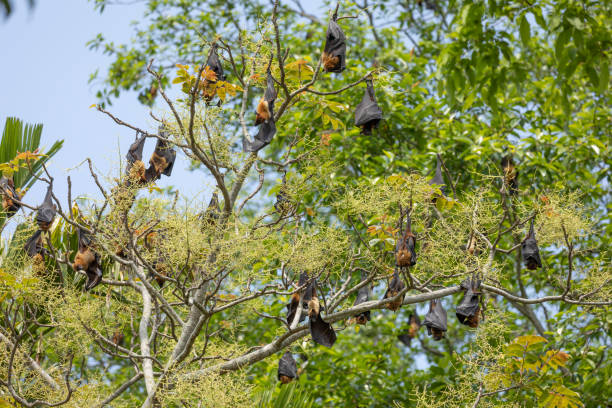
(472, 246)
(321, 332)
(437, 179)
(213, 211)
(435, 320)
(293, 305)
(413, 329)
(395, 286)
(214, 64)
(35, 250)
(334, 53)
(468, 310)
(7, 190)
(46, 212)
(368, 114)
(151, 242)
(162, 160)
(267, 127)
(287, 368)
(135, 167)
(88, 260)
(363, 295)
(405, 254)
(510, 174)
(283, 203)
(530, 250)
(118, 338)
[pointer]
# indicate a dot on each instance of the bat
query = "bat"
(435, 320)
(35, 250)
(368, 114)
(7, 190)
(87, 260)
(334, 52)
(163, 158)
(510, 174)
(405, 254)
(321, 332)
(293, 305)
(413, 329)
(395, 287)
(468, 310)
(530, 250)
(283, 203)
(213, 211)
(46, 212)
(136, 168)
(437, 179)
(151, 242)
(363, 295)
(209, 85)
(118, 338)
(287, 368)
(264, 117)
(472, 245)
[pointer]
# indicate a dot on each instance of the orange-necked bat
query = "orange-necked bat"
(435, 320)
(151, 242)
(322, 332)
(88, 260)
(472, 245)
(118, 337)
(35, 250)
(46, 212)
(368, 114)
(163, 158)
(209, 89)
(530, 250)
(405, 253)
(414, 324)
(363, 295)
(293, 305)
(8, 193)
(135, 167)
(287, 368)
(510, 174)
(395, 287)
(264, 118)
(468, 310)
(334, 52)
(437, 179)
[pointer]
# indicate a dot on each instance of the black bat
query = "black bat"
(7, 190)
(510, 174)
(468, 310)
(530, 250)
(321, 332)
(46, 212)
(214, 64)
(163, 158)
(265, 119)
(135, 167)
(437, 179)
(334, 53)
(363, 295)
(151, 242)
(293, 305)
(435, 320)
(405, 254)
(87, 260)
(213, 211)
(395, 287)
(368, 114)
(35, 250)
(287, 368)
(413, 329)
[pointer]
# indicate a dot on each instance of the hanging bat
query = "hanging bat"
(368, 114)
(334, 52)
(151, 242)
(468, 310)
(163, 158)
(7, 190)
(264, 118)
(530, 250)
(437, 179)
(209, 84)
(293, 305)
(413, 329)
(395, 287)
(118, 337)
(87, 260)
(510, 174)
(321, 332)
(135, 167)
(46, 212)
(35, 250)
(435, 320)
(472, 245)
(213, 211)
(405, 254)
(287, 368)
(363, 295)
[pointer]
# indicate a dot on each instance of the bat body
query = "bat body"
(405, 251)
(395, 287)
(435, 320)
(283, 203)
(35, 250)
(88, 260)
(472, 246)
(209, 85)
(510, 174)
(46, 212)
(363, 295)
(295, 302)
(264, 117)
(437, 179)
(136, 167)
(334, 52)
(163, 158)
(161, 267)
(468, 310)
(287, 368)
(321, 332)
(213, 211)
(368, 114)
(530, 250)
(7, 190)
(413, 329)
(118, 338)
(263, 112)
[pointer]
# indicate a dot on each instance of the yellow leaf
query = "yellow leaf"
(529, 340)
(93, 105)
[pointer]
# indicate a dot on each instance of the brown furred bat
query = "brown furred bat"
(287, 368)
(510, 174)
(405, 254)
(435, 320)
(9, 195)
(334, 52)
(414, 324)
(88, 260)
(395, 287)
(321, 332)
(468, 310)
(135, 167)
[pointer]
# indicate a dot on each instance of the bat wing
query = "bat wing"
(335, 44)
(531, 252)
(94, 274)
(214, 63)
(405, 338)
(270, 93)
(135, 151)
(33, 245)
(368, 110)
(264, 136)
(436, 317)
(468, 306)
(322, 332)
(46, 211)
(170, 156)
(287, 366)
(437, 178)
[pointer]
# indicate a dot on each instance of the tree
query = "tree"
(193, 301)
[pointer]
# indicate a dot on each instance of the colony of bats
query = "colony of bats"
(305, 301)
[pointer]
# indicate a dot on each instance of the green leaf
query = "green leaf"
(604, 77)
(525, 31)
